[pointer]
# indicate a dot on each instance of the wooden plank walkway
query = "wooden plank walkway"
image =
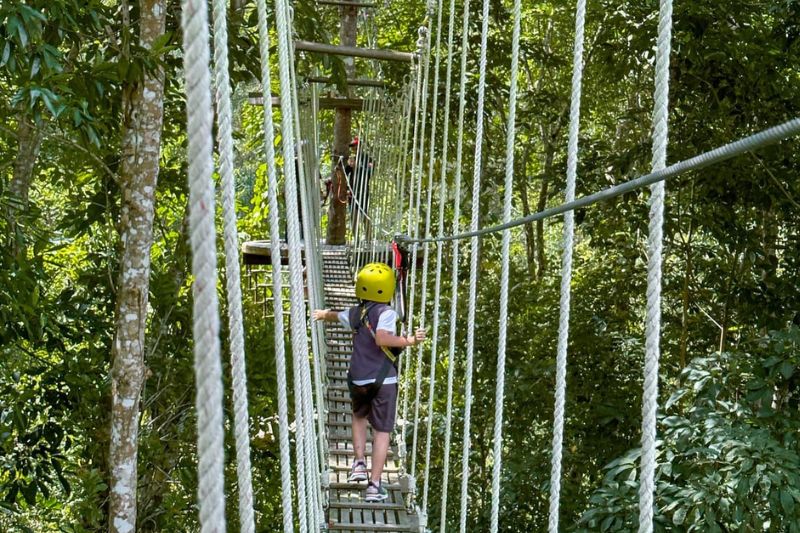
(347, 510)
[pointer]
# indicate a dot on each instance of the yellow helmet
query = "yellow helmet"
(375, 282)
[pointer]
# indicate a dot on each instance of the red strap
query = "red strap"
(398, 257)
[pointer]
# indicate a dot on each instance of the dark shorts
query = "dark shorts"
(380, 412)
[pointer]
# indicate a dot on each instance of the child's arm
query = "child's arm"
(384, 338)
(325, 314)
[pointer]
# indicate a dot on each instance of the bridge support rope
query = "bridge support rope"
(566, 269)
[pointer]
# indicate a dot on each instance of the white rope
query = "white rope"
(297, 306)
(439, 246)
(425, 249)
(454, 275)
(503, 325)
(654, 250)
(241, 422)
(314, 456)
(473, 273)
(416, 173)
(207, 365)
(277, 285)
(566, 268)
(404, 146)
(314, 282)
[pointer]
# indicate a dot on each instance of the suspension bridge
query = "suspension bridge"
(288, 276)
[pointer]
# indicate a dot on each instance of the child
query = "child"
(372, 377)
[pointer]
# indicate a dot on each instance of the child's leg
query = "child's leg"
(359, 426)
(382, 419)
(380, 448)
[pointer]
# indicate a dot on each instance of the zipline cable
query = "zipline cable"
(205, 306)
(241, 422)
(566, 268)
(473, 266)
(511, 134)
(654, 254)
(722, 153)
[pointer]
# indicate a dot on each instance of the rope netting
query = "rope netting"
(402, 142)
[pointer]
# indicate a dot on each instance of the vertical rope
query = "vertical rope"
(241, 422)
(314, 282)
(297, 302)
(566, 267)
(503, 326)
(207, 365)
(404, 150)
(316, 457)
(439, 245)
(277, 284)
(416, 173)
(473, 273)
(425, 247)
(454, 276)
(654, 251)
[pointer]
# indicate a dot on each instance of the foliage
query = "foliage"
(729, 455)
(729, 458)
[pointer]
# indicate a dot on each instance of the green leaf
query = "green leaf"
(6, 53)
(29, 493)
(679, 516)
(35, 66)
(787, 502)
(27, 10)
(23, 35)
(787, 369)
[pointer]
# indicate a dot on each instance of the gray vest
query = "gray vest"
(367, 357)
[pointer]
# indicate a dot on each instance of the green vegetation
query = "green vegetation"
(730, 369)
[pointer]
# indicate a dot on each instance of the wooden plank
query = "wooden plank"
(347, 509)
(353, 51)
(345, 3)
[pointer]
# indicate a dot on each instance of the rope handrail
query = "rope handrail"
(750, 143)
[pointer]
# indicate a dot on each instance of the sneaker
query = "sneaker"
(358, 472)
(376, 493)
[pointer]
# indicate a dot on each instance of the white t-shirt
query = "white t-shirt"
(387, 321)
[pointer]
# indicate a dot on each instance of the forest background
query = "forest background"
(71, 78)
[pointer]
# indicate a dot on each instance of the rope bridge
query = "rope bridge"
(397, 199)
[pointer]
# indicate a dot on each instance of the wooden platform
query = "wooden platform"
(260, 253)
(347, 510)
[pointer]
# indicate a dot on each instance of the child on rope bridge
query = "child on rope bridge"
(372, 377)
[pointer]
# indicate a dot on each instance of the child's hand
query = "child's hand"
(419, 335)
(319, 314)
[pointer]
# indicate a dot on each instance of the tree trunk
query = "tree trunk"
(549, 153)
(687, 276)
(29, 140)
(530, 238)
(337, 211)
(143, 113)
